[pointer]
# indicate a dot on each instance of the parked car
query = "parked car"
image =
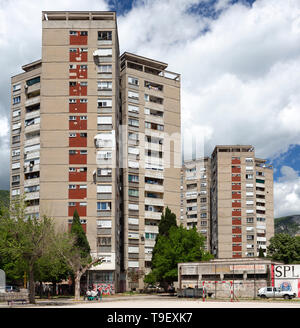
(153, 289)
(12, 289)
(275, 292)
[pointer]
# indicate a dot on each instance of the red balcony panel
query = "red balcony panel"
(79, 124)
(236, 170)
(80, 209)
(236, 222)
(76, 89)
(236, 187)
(78, 141)
(78, 107)
(236, 161)
(236, 230)
(78, 39)
(78, 193)
(78, 73)
(236, 196)
(77, 158)
(236, 179)
(237, 255)
(236, 248)
(237, 239)
(236, 213)
(78, 56)
(78, 176)
(236, 205)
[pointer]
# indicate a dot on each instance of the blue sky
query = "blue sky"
(239, 63)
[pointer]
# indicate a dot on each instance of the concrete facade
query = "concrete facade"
(70, 111)
(227, 278)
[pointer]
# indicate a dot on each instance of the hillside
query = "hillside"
(288, 224)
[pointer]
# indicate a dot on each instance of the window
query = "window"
(72, 101)
(103, 206)
(72, 186)
(133, 109)
(105, 68)
(82, 101)
(73, 33)
(260, 181)
(83, 33)
(133, 95)
(104, 189)
(83, 118)
(104, 35)
(133, 122)
(16, 87)
(104, 103)
(33, 81)
(83, 152)
(133, 192)
(16, 100)
(133, 178)
(105, 85)
(133, 80)
(104, 52)
(72, 135)
(104, 120)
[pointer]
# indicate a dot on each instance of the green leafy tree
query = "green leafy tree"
(261, 252)
(168, 220)
(284, 248)
(24, 240)
(181, 245)
(74, 249)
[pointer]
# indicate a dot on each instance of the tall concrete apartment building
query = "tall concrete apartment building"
(228, 197)
(90, 136)
(242, 219)
(195, 196)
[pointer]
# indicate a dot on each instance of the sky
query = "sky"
(239, 62)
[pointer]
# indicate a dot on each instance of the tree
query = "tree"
(74, 249)
(25, 239)
(261, 252)
(167, 221)
(284, 248)
(181, 245)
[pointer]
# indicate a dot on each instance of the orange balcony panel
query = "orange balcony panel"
(236, 196)
(78, 73)
(238, 205)
(77, 176)
(236, 213)
(236, 179)
(78, 107)
(236, 187)
(236, 161)
(236, 248)
(80, 209)
(78, 56)
(78, 39)
(236, 239)
(78, 193)
(78, 158)
(236, 170)
(236, 255)
(77, 141)
(78, 90)
(236, 230)
(236, 222)
(79, 124)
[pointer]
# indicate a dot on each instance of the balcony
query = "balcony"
(32, 128)
(33, 114)
(32, 195)
(149, 243)
(31, 182)
(32, 101)
(154, 201)
(32, 209)
(151, 229)
(153, 215)
(154, 187)
(32, 141)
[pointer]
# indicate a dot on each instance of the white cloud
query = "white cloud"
(287, 193)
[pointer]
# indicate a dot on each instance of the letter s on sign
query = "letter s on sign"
(278, 272)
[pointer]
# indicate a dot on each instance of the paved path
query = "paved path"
(153, 301)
